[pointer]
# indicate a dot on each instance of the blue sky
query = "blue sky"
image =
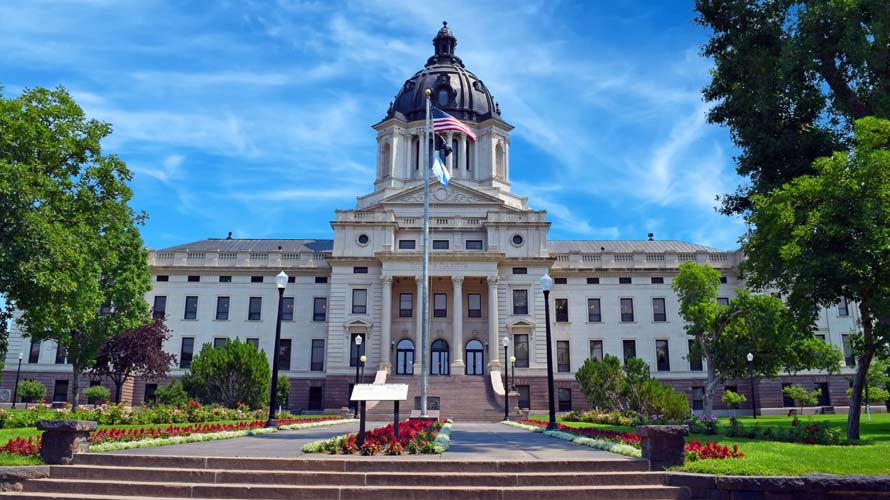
(254, 117)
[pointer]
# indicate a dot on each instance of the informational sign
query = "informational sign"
(380, 392)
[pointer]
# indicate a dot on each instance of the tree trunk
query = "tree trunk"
(709, 388)
(861, 372)
(117, 391)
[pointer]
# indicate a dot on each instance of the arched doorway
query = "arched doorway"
(405, 357)
(475, 354)
(439, 358)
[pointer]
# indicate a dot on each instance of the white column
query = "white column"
(457, 335)
(494, 360)
(418, 311)
(450, 160)
(393, 154)
(476, 170)
(386, 324)
(462, 157)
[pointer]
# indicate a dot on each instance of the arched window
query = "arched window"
(499, 161)
(385, 169)
(475, 361)
(405, 357)
(455, 155)
(468, 155)
(439, 358)
(443, 97)
(416, 154)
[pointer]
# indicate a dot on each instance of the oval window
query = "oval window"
(363, 239)
(444, 98)
(517, 239)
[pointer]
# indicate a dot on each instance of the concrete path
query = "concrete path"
(469, 441)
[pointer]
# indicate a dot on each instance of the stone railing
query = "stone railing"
(239, 259)
(644, 260)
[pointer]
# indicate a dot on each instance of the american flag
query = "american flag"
(442, 121)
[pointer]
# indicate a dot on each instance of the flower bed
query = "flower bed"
(627, 438)
(620, 448)
(696, 450)
(19, 446)
(415, 437)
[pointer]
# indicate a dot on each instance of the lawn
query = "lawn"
(871, 455)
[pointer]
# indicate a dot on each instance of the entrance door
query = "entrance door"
(475, 357)
(439, 363)
(405, 357)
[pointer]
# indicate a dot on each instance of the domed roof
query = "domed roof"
(456, 90)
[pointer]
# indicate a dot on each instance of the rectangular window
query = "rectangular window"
(849, 358)
(723, 279)
(695, 364)
(562, 310)
(284, 354)
(194, 279)
(191, 307)
(254, 341)
(256, 279)
(60, 391)
(563, 362)
(786, 401)
(662, 356)
(359, 301)
(220, 342)
(627, 310)
(524, 396)
(723, 301)
(254, 309)
(222, 308)
(520, 301)
(520, 350)
(34, 353)
(319, 309)
(321, 279)
(291, 279)
(824, 396)
(61, 355)
(843, 308)
(186, 351)
(149, 395)
(159, 309)
(287, 309)
(596, 350)
(440, 305)
(820, 337)
(658, 310)
(315, 398)
(359, 270)
(565, 399)
(356, 351)
(474, 305)
(560, 281)
(593, 281)
(440, 244)
(317, 363)
(698, 398)
(520, 270)
(162, 277)
(406, 305)
(630, 349)
(624, 280)
(407, 244)
(474, 245)
(594, 311)
(225, 279)
(657, 280)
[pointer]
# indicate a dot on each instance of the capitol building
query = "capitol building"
(488, 251)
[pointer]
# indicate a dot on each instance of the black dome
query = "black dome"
(455, 90)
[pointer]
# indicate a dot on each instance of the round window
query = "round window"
(517, 239)
(363, 239)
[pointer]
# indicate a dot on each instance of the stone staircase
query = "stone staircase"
(106, 476)
(461, 397)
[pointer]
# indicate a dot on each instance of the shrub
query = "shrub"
(733, 400)
(602, 382)
(801, 396)
(172, 394)
(31, 391)
(228, 375)
(283, 390)
(97, 393)
(661, 399)
(875, 394)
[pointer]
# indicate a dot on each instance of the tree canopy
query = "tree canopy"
(138, 351)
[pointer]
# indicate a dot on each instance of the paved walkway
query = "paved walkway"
(469, 441)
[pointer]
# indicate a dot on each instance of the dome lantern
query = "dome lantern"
(444, 43)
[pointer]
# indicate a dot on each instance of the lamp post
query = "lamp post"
(358, 346)
(513, 374)
(753, 395)
(506, 343)
(17, 372)
(281, 283)
(546, 284)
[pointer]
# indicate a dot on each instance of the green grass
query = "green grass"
(870, 455)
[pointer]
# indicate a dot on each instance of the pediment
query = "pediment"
(454, 194)
(521, 325)
(357, 324)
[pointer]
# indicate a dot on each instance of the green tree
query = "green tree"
(97, 393)
(602, 382)
(823, 237)
(802, 396)
(172, 394)
(757, 324)
(31, 391)
(790, 77)
(71, 257)
(228, 375)
(283, 390)
(733, 400)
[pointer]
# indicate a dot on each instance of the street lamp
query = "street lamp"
(358, 346)
(513, 374)
(546, 284)
(281, 283)
(506, 343)
(753, 396)
(19, 370)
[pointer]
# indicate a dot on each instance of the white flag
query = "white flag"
(440, 171)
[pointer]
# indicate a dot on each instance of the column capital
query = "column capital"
(493, 279)
(386, 280)
(457, 281)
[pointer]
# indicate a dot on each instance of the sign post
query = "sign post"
(378, 392)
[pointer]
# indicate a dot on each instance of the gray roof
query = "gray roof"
(625, 246)
(253, 245)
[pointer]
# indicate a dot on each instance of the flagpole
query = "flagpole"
(424, 299)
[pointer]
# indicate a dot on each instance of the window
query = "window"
(723, 279)
(317, 362)
(593, 281)
(256, 279)
(524, 396)
(287, 309)
(821, 337)
(359, 301)
(517, 240)
(284, 354)
(405, 357)
(843, 307)
(594, 311)
(440, 305)
(315, 398)
(723, 301)
(657, 280)
(225, 279)
(474, 245)
(222, 308)
(562, 310)
(824, 396)
(698, 398)
(565, 399)
(849, 358)
(694, 359)
(191, 307)
(356, 351)
(596, 350)
(475, 355)
(474, 305)
(291, 279)
(321, 279)
(520, 301)
(186, 351)
(439, 358)
(34, 353)
(363, 239)
(624, 280)
(563, 362)
(359, 270)
(159, 309)
(520, 350)
(406, 305)
(786, 401)
(731, 388)
(407, 244)
(662, 356)
(60, 391)
(220, 342)
(254, 341)
(630, 349)
(442, 97)
(440, 244)
(627, 310)
(658, 311)
(254, 309)
(560, 281)
(194, 279)
(149, 395)
(162, 277)
(520, 270)
(61, 355)
(319, 309)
